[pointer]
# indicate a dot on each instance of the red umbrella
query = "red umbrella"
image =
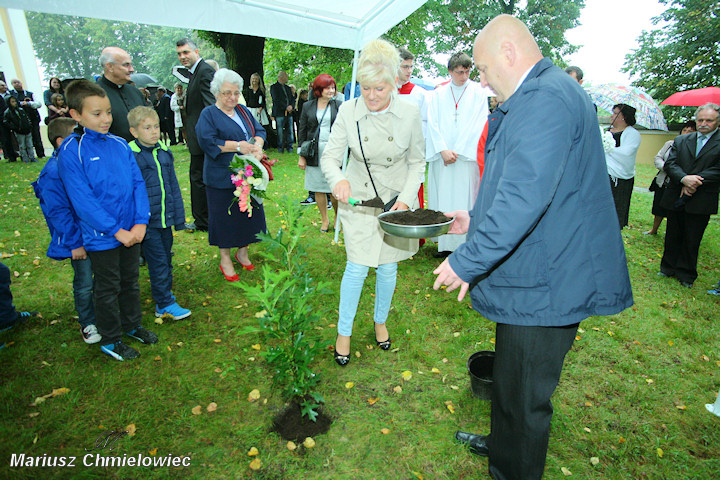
(694, 98)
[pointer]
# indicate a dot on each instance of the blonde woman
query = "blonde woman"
(385, 131)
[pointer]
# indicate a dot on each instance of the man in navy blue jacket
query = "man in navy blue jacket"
(541, 253)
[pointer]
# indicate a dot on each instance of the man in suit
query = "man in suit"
(166, 115)
(31, 107)
(282, 108)
(197, 97)
(693, 167)
(540, 254)
(124, 96)
(6, 139)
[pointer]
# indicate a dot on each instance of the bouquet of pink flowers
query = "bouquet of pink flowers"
(251, 179)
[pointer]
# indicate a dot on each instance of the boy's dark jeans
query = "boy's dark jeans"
(8, 315)
(157, 249)
(117, 293)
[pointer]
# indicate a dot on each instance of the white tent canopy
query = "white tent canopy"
(344, 24)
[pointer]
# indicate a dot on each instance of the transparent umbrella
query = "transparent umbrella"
(647, 113)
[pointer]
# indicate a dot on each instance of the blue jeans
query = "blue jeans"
(8, 315)
(351, 288)
(284, 131)
(157, 247)
(83, 285)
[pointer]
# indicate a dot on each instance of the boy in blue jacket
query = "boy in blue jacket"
(166, 207)
(108, 194)
(65, 236)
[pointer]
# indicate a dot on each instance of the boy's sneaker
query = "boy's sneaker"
(90, 334)
(308, 201)
(21, 317)
(142, 334)
(174, 310)
(120, 351)
(715, 291)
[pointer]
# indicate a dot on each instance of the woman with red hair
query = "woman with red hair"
(316, 120)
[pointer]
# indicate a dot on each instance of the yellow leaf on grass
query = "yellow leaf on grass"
(291, 446)
(384, 431)
(254, 395)
(261, 314)
(255, 464)
(417, 474)
(253, 452)
(435, 370)
(212, 406)
(217, 340)
(706, 358)
(255, 347)
(309, 442)
(17, 234)
(36, 261)
(349, 385)
(492, 340)
(397, 389)
(671, 343)
(649, 381)
(159, 320)
(406, 375)
(659, 452)
(681, 407)
(594, 460)
(587, 430)
(357, 354)
(450, 407)
(197, 410)
(59, 391)
(588, 404)
(621, 440)
(566, 472)
(373, 401)
(153, 451)
(130, 429)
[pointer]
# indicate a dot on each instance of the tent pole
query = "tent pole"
(353, 81)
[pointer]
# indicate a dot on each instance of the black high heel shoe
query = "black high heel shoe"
(384, 345)
(341, 360)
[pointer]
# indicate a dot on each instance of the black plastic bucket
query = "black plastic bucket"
(480, 368)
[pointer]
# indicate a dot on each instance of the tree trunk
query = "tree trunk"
(244, 54)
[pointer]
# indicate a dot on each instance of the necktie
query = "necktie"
(701, 139)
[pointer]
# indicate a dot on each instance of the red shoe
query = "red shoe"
(234, 278)
(249, 268)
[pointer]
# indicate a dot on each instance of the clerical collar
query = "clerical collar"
(522, 79)
(192, 69)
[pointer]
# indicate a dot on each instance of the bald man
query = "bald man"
(542, 250)
(117, 67)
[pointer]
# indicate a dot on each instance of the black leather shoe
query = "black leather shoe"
(477, 443)
(686, 284)
(663, 274)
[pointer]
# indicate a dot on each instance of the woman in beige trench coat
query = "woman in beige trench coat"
(390, 131)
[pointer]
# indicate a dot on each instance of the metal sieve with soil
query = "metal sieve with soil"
(420, 223)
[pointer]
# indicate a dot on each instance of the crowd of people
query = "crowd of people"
(534, 208)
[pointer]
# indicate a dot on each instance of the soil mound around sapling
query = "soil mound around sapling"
(421, 216)
(290, 424)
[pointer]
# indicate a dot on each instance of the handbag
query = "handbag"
(392, 201)
(311, 146)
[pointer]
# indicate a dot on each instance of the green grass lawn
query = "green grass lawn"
(632, 392)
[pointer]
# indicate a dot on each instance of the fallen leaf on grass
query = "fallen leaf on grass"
(566, 472)
(621, 440)
(16, 273)
(36, 261)
(450, 406)
(384, 431)
(435, 370)
(153, 451)
(33, 414)
(309, 442)
(159, 321)
(492, 340)
(197, 410)
(417, 474)
(291, 446)
(130, 429)
(681, 407)
(454, 387)
(357, 354)
(588, 404)
(649, 381)
(17, 234)
(253, 452)
(406, 375)
(261, 314)
(671, 343)
(217, 340)
(212, 406)
(706, 358)
(349, 385)
(397, 389)
(373, 401)
(456, 334)
(35, 439)
(218, 370)
(659, 452)
(587, 430)
(255, 464)
(255, 347)
(157, 358)
(253, 395)
(594, 460)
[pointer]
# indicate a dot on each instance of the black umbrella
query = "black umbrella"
(142, 79)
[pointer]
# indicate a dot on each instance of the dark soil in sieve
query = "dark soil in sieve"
(420, 216)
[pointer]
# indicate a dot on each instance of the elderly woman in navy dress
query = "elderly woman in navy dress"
(223, 130)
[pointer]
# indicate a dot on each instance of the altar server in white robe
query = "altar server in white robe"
(457, 113)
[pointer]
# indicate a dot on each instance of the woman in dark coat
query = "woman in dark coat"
(223, 130)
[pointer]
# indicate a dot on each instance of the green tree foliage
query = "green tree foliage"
(681, 54)
(69, 47)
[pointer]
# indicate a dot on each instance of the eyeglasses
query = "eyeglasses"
(461, 72)
(228, 93)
